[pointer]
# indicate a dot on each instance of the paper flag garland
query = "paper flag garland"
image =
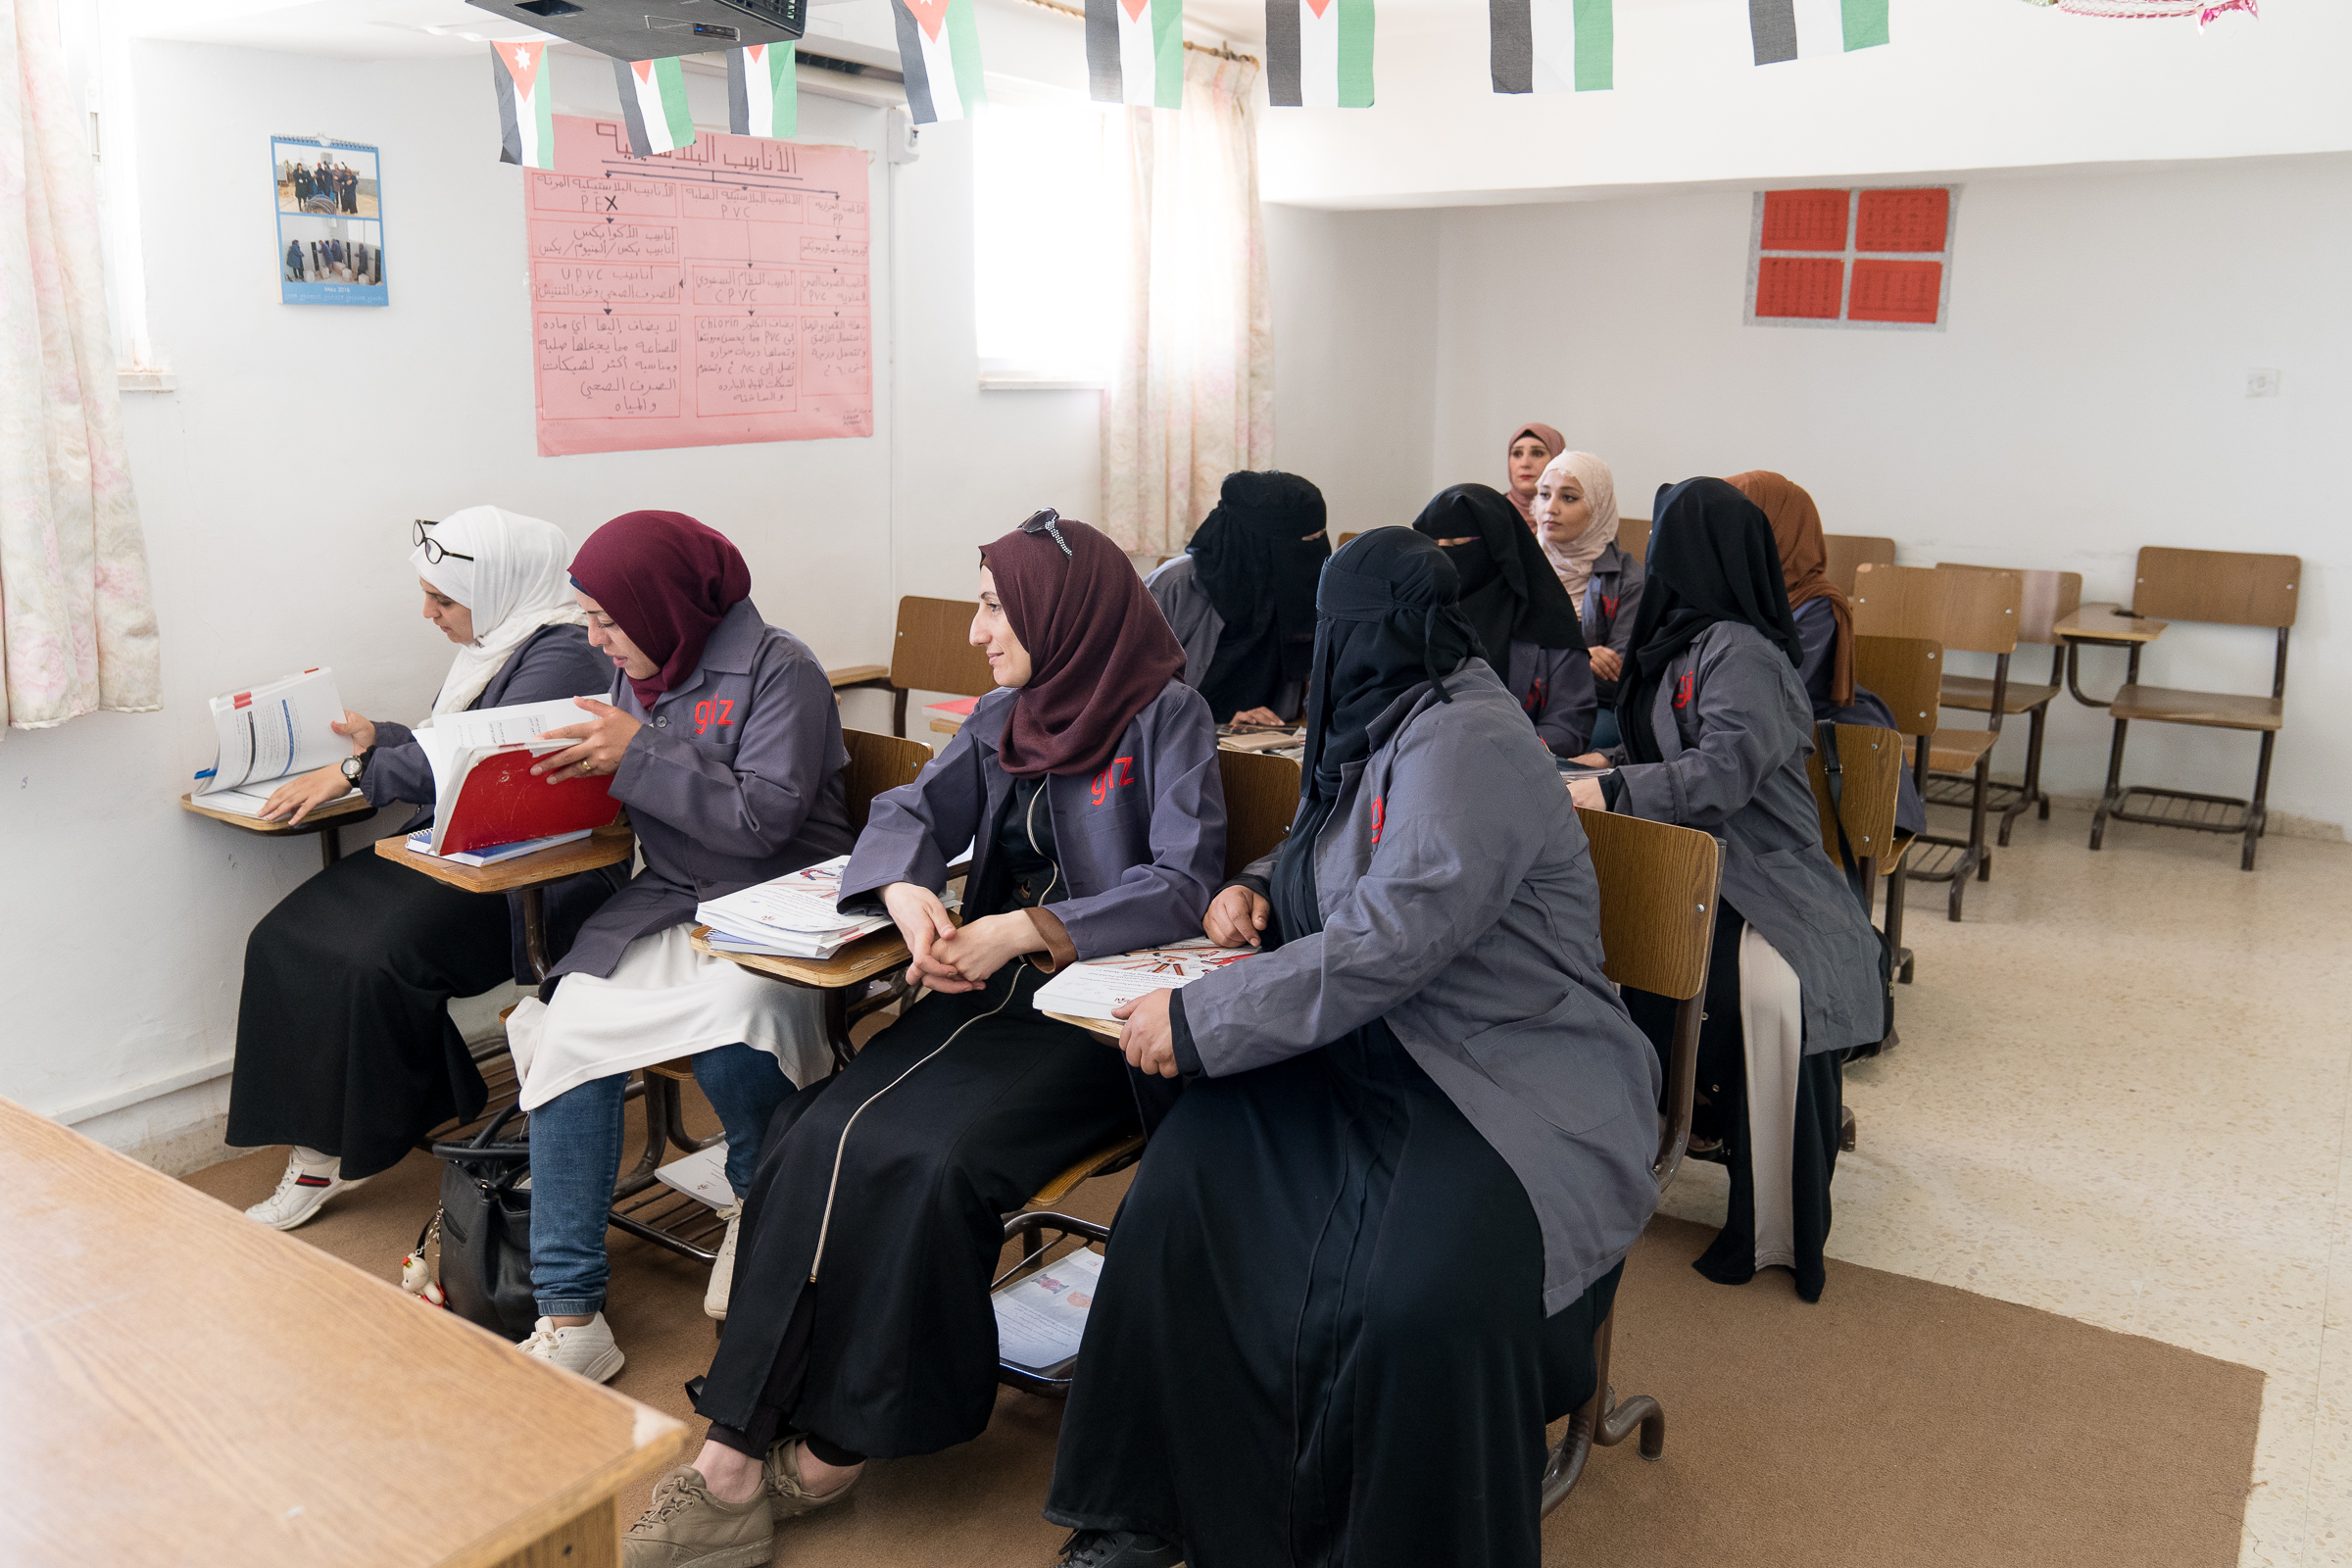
(652, 101)
(526, 109)
(1319, 54)
(764, 91)
(1799, 29)
(1552, 45)
(1135, 52)
(938, 55)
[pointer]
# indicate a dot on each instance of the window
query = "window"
(1042, 236)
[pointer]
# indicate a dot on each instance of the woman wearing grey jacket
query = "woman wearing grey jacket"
(1363, 1258)
(1717, 727)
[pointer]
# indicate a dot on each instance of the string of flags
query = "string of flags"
(1318, 56)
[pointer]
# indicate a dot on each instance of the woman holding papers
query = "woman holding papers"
(723, 739)
(1526, 623)
(1241, 596)
(345, 1048)
(1363, 1258)
(860, 1323)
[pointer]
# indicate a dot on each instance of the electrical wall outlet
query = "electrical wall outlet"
(2262, 383)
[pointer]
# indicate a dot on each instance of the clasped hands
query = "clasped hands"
(945, 957)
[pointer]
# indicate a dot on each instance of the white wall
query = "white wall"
(278, 482)
(2087, 399)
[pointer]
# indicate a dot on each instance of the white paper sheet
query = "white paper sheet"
(1092, 988)
(702, 1175)
(1041, 1320)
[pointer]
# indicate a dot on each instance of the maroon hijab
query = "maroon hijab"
(667, 580)
(1100, 650)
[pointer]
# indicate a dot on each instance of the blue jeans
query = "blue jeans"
(1604, 730)
(575, 1158)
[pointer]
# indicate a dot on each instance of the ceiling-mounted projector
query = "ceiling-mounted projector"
(653, 29)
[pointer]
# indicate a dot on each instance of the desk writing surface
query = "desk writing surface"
(1104, 1028)
(862, 960)
(614, 845)
(353, 804)
(2108, 623)
(186, 1386)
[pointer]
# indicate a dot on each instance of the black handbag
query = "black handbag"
(486, 1222)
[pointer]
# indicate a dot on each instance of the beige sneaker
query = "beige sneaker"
(722, 1268)
(688, 1527)
(788, 1498)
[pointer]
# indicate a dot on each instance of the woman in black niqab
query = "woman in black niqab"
(1257, 555)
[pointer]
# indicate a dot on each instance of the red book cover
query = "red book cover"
(1802, 286)
(1897, 291)
(1914, 220)
(960, 708)
(1804, 220)
(501, 803)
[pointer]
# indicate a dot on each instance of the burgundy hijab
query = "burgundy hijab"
(667, 580)
(1100, 650)
(1554, 444)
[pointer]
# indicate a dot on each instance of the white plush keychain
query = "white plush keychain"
(416, 1273)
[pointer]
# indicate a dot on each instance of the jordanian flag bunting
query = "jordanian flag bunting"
(938, 55)
(526, 106)
(653, 100)
(763, 92)
(1319, 54)
(1799, 29)
(1553, 45)
(1135, 52)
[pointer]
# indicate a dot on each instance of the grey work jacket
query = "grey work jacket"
(1141, 840)
(556, 661)
(1734, 728)
(1612, 594)
(1817, 634)
(1555, 685)
(734, 779)
(1459, 904)
(1176, 588)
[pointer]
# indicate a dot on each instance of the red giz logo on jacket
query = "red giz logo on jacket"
(1536, 696)
(1682, 688)
(1379, 813)
(714, 710)
(1608, 606)
(1119, 773)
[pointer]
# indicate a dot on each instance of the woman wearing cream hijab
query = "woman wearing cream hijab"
(1576, 521)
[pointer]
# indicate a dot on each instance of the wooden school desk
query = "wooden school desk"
(188, 1387)
(2105, 626)
(323, 822)
(528, 874)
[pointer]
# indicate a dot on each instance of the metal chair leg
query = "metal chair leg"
(2034, 729)
(2112, 798)
(2257, 808)
(1896, 880)
(1976, 825)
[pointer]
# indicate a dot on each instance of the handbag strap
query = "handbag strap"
(1825, 736)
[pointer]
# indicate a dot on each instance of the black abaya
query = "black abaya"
(344, 1038)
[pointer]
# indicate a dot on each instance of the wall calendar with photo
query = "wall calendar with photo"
(330, 221)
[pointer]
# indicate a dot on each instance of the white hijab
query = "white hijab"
(517, 582)
(1572, 558)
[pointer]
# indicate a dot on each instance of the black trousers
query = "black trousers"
(1320, 1338)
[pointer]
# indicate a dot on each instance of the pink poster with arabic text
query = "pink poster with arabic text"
(713, 295)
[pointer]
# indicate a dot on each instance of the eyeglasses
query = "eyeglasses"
(434, 555)
(1048, 521)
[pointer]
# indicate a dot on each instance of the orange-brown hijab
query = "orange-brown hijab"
(1806, 563)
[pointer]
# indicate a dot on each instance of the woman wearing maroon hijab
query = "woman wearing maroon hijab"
(721, 736)
(860, 1324)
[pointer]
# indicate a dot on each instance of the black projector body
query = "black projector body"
(653, 29)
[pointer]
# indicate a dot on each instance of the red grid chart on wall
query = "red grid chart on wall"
(1861, 258)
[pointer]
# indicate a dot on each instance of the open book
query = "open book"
(484, 792)
(792, 916)
(268, 735)
(1093, 986)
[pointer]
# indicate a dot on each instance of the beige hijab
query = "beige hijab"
(1572, 558)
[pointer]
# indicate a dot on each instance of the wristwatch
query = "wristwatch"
(355, 766)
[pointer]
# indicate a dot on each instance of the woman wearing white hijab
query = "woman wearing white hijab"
(1576, 519)
(345, 1048)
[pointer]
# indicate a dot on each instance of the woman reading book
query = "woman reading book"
(345, 1048)
(1364, 1259)
(860, 1323)
(721, 737)
(1241, 596)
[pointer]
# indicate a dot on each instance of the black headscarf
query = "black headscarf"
(1257, 555)
(1711, 558)
(1509, 591)
(1388, 624)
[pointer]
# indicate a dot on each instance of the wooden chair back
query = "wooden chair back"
(877, 763)
(1974, 611)
(1869, 762)
(933, 653)
(1848, 551)
(2230, 587)
(1342, 542)
(2044, 597)
(1262, 799)
(1907, 673)
(1633, 536)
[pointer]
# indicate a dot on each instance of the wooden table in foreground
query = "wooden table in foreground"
(323, 822)
(528, 874)
(188, 1387)
(2105, 626)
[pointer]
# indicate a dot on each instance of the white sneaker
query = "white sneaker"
(722, 1268)
(302, 1192)
(586, 1349)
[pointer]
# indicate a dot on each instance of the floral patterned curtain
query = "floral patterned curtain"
(76, 621)
(1192, 389)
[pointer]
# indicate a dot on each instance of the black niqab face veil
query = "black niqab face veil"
(1509, 592)
(1711, 559)
(1388, 623)
(1257, 555)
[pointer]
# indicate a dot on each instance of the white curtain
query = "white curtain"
(1192, 389)
(76, 621)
